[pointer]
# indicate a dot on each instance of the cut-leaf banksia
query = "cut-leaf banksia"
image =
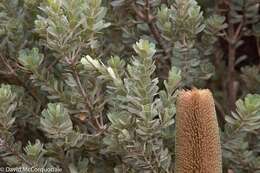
(198, 148)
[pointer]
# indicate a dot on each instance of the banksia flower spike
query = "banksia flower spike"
(198, 147)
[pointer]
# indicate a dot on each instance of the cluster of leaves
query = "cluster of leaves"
(139, 112)
(192, 38)
(74, 109)
(241, 137)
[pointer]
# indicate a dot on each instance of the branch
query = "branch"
(94, 122)
(233, 36)
(13, 73)
(16, 153)
(221, 112)
(147, 17)
(81, 89)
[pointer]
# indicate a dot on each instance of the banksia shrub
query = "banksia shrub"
(197, 133)
(90, 86)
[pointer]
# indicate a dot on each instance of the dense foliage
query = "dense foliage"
(91, 85)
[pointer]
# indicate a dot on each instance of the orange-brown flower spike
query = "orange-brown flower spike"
(197, 147)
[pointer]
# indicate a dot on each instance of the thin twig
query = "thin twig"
(53, 64)
(93, 121)
(221, 112)
(149, 19)
(64, 162)
(14, 73)
(81, 89)
(19, 156)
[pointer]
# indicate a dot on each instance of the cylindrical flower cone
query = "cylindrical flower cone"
(198, 148)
